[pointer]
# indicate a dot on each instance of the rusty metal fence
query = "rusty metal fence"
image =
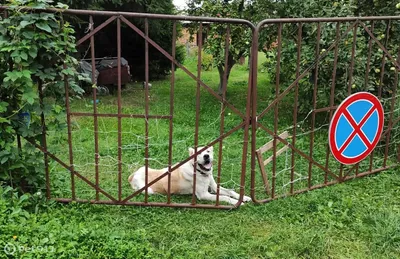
(307, 165)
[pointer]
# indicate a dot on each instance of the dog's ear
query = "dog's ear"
(191, 151)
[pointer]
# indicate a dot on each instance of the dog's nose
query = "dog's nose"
(206, 156)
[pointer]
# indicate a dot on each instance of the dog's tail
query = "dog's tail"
(130, 178)
(136, 179)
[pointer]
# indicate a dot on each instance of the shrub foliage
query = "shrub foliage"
(36, 51)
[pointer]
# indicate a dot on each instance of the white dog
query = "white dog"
(182, 180)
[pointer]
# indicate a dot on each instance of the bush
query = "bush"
(34, 47)
(207, 60)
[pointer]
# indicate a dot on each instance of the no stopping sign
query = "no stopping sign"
(356, 128)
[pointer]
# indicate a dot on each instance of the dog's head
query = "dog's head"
(204, 159)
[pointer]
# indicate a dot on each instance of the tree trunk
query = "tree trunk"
(221, 76)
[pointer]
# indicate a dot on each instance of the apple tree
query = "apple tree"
(240, 36)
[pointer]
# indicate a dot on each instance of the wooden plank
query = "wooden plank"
(279, 152)
(263, 173)
(270, 144)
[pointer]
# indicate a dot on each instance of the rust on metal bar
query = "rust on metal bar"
(140, 15)
(146, 110)
(392, 105)
(95, 120)
(369, 57)
(353, 53)
(152, 204)
(385, 54)
(325, 19)
(112, 115)
(314, 105)
(326, 109)
(383, 60)
(196, 131)
(276, 107)
(366, 87)
(119, 103)
(332, 95)
(296, 99)
(222, 123)
(70, 149)
(171, 111)
(252, 109)
(44, 140)
(248, 118)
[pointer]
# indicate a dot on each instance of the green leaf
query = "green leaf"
(26, 73)
(33, 52)
(3, 106)
(24, 23)
(28, 34)
(29, 97)
(24, 56)
(4, 120)
(3, 160)
(44, 26)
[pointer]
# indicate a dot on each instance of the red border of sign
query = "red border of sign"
(335, 119)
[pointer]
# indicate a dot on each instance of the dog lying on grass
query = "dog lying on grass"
(182, 180)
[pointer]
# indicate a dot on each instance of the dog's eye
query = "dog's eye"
(208, 151)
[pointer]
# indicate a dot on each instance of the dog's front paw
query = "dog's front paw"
(246, 198)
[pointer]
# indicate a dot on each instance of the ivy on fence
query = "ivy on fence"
(34, 49)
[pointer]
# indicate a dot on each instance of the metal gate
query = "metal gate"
(300, 148)
(299, 156)
(103, 196)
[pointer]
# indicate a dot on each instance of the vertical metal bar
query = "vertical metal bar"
(222, 125)
(250, 117)
(384, 59)
(171, 110)
(95, 119)
(19, 143)
(68, 110)
(353, 52)
(252, 104)
(314, 104)
(392, 104)
(196, 134)
(381, 79)
(44, 141)
(350, 83)
(332, 94)
(119, 110)
(70, 150)
(146, 152)
(371, 156)
(296, 98)
(369, 56)
(278, 71)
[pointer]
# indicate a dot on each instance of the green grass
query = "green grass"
(357, 219)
